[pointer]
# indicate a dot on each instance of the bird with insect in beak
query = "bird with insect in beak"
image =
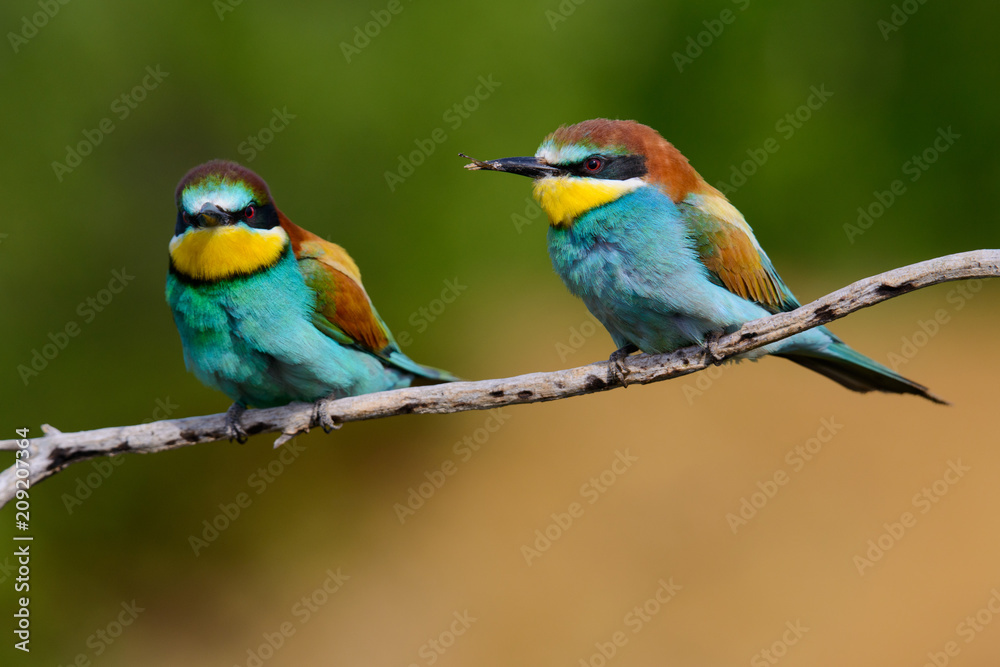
(661, 258)
(270, 313)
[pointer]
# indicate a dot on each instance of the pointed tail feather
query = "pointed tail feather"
(435, 375)
(857, 372)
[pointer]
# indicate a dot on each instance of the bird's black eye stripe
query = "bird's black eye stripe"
(183, 222)
(264, 217)
(616, 167)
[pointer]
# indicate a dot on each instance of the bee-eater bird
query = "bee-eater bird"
(268, 312)
(661, 258)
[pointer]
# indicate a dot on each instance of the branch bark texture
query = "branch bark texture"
(54, 450)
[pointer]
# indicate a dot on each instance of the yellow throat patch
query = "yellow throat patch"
(564, 198)
(216, 253)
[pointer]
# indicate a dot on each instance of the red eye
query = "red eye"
(187, 218)
(248, 212)
(594, 164)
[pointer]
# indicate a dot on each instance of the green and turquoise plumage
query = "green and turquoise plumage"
(661, 258)
(270, 313)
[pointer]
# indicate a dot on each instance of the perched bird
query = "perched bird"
(268, 312)
(661, 258)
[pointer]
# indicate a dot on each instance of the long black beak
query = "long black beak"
(525, 166)
(211, 216)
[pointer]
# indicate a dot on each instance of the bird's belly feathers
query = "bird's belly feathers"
(612, 285)
(253, 339)
(637, 272)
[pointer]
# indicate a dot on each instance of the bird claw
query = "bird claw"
(711, 347)
(323, 418)
(617, 369)
(233, 428)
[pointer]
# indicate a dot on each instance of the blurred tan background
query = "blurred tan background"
(318, 568)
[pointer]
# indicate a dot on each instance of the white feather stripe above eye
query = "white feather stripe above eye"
(226, 195)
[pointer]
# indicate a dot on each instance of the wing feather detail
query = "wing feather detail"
(343, 310)
(728, 249)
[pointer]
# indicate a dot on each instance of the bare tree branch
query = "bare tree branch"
(55, 450)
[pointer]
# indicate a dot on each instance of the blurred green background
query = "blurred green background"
(226, 72)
